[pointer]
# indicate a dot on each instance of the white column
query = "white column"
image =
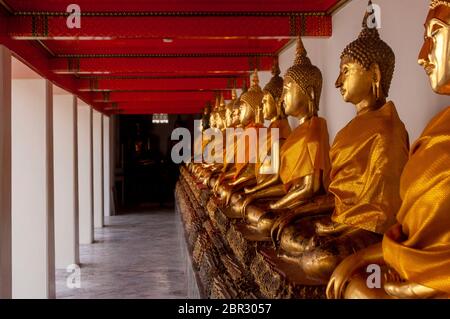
(5, 175)
(112, 160)
(107, 165)
(97, 154)
(33, 247)
(85, 209)
(66, 180)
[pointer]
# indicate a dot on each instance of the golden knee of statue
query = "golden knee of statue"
(258, 208)
(366, 275)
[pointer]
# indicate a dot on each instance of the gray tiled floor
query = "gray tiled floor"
(135, 256)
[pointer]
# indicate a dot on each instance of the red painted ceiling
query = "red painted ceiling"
(152, 56)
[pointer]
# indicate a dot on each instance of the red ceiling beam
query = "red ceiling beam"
(177, 5)
(152, 96)
(175, 84)
(122, 26)
(33, 56)
(68, 48)
(180, 107)
(207, 65)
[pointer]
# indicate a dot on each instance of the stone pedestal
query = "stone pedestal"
(231, 260)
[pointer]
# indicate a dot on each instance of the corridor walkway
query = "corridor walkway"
(134, 256)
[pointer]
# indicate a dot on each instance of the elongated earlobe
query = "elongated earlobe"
(312, 101)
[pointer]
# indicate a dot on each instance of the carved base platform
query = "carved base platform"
(278, 278)
(230, 259)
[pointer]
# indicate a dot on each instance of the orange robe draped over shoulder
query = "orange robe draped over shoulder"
(245, 143)
(284, 130)
(367, 158)
(305, 151)
(418, 247)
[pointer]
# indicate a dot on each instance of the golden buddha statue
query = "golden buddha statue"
(271, 111)
(214, 124)
(304, 161)
(231, 121)
(219, 121)
(236, 123)
(415, 253)
(206, 113)
(242, 172)
(204, 125)
(367, 158)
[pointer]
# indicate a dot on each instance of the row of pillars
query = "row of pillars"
(54, 181)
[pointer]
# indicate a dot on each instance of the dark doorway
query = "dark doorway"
(145, 175)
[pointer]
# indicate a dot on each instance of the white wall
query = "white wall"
(97, 143)
(85, 181)
(66, 193)
(32, 190)
(402, 28)
(107, 165)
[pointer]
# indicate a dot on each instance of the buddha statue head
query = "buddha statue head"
(212, 119)
(367, 67)
(435, 52)
(206, 114)
(219, 113)
(222, 111)
(232, 110)
(250, 102)
(272, 95)
(302, 85)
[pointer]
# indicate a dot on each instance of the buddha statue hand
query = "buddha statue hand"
(234, 207)
(250, 190)
(349, 266)
(222, 192)
(341, 275)
(207, 179)
(247, 201)
(217, 184)
(280, 224)
(293, 198)
(235, 183)
(410, 290)
(330, 228)
(228, 193)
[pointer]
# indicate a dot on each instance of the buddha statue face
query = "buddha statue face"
(236, 116)
(296, 101)
(355, 82)
(220, 122)
(269, 106)
(246, 114)
(206, 110)
(435, 52)
(229, 117)
(212, 120)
